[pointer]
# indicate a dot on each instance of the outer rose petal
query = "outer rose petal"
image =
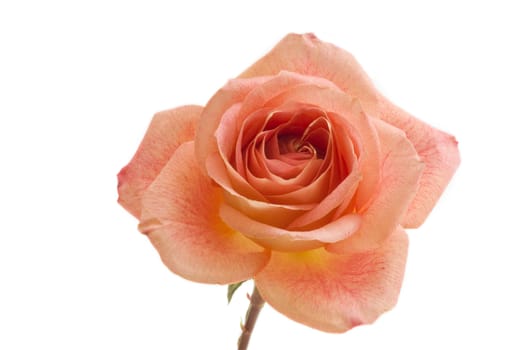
(306, 54)
(167, 130)
(437, 149)
(400, 173)
(180, 216)
(335, 293)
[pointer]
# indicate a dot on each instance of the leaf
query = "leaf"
(231, 289)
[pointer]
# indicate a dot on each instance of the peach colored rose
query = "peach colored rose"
(299, 174)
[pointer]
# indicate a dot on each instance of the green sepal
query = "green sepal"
(231, 289)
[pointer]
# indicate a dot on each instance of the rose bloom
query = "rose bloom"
(298, 174)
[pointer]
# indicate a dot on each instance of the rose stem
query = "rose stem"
(250, 319)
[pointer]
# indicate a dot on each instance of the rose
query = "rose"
(299, 174)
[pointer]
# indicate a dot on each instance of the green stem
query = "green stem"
(250, 319)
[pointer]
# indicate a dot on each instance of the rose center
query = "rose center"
(296, 146)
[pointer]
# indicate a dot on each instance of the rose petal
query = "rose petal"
(279, 215)
(306, 54)
(218, 163)
(437, 149)
(341, 194)
(234, 91)
(335, 293)
(284, 178)
(167, 130)
(180, 216)
(310, 194)
(401, 170)
(278, 84)
(276, 238)
(229, 179)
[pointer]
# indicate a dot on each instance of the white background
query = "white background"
(79, 82)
